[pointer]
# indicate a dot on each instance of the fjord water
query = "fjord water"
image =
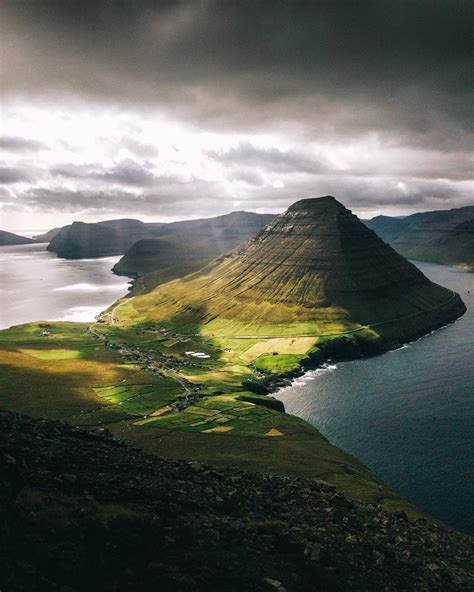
(407, 414)
(36, 285)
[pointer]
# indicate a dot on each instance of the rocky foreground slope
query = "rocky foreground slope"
(80, 510)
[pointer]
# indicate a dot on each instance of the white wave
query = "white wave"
(15, 257)
(312, 374)
(85, 287)
(112, 259)
(400, 348)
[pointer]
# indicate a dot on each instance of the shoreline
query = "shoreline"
(283, 380)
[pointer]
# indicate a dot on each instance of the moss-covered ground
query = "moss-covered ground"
(139, 380)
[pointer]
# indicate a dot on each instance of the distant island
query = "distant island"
(47, 237)
(176, 241)
(441, 236)
(9, 238)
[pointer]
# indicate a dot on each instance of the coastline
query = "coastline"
(334, 352)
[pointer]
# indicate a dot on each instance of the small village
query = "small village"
(169, 365)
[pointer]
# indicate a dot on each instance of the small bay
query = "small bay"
(37, 285)
(407, 414)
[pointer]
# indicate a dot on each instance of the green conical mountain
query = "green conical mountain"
(315, 269)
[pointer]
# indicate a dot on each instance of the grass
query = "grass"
(71, 375)
(53, 354)
(278, 364)
(294, 345)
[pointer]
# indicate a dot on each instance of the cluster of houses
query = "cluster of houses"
(190, 399)
(163, 333)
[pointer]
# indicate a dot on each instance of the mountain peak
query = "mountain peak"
(316, 261)
(313, 203)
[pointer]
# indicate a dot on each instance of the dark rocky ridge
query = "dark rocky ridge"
(444, 236)
(9, 238)
(82, 511)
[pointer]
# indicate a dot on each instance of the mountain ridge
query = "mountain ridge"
(114, 237)
(315, 261)
(440, 236)
(185, 242)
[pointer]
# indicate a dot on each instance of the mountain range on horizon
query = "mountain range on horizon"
(439, 236)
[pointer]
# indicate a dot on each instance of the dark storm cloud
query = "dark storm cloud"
(16, 144)
(198, 198)
(270, 159)
(184, 198)
(13, 175)
(363, 193)
(338, 67)
(127, 173)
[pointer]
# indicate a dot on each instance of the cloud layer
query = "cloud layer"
(371, 100)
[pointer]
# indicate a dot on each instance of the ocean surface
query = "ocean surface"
(36, 285)
(407, 414)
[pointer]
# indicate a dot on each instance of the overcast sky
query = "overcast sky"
(169, 110)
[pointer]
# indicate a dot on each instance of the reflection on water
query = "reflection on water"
(36, 285)
(407, 414)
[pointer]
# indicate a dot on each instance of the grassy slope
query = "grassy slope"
(98, 387)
